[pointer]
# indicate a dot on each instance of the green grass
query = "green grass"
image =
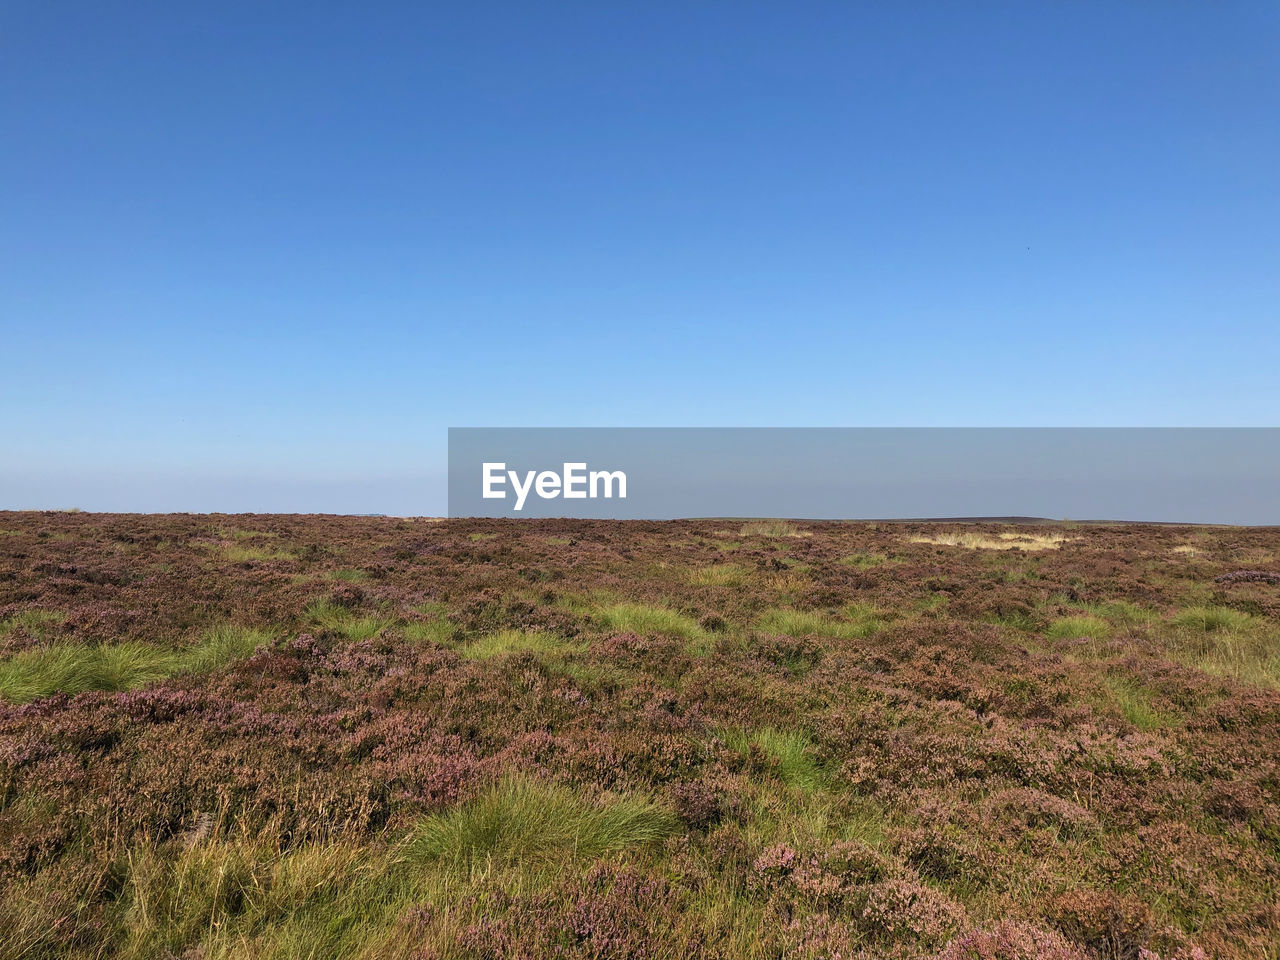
(1078, 627)
(719, 575)
(246, 553)
(251, 897)
(478, 537)
(76, 668)
(644, 618)
(516, 641)
(1120, 612)
(347, 576)
(865, 560)
(1135, 703)
(1227, 643)
(221, 645)
(770, 528)
(791, 749)
(527, 822)
(436, 629)
(248, 897)
(1212, 619)
(804, 623)
(34, 622)
(338, 619)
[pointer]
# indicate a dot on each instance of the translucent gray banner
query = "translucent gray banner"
(1191, 475)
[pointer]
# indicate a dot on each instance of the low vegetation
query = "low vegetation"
(278, 737)
(75, 668)
(1000, 540)
(525, 822)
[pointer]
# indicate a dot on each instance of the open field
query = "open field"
(277, 736)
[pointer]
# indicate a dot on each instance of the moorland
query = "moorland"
(300, 736)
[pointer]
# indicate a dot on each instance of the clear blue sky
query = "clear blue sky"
(262, 255)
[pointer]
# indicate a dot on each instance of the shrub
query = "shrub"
(1011, 941)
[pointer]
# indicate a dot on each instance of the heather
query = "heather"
(277, 736)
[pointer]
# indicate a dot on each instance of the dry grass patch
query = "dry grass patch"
(1003, 540)
(719, 575)
(772, 528)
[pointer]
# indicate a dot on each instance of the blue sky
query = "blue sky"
(261, 256)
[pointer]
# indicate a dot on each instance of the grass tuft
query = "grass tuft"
(246, 553)
(771, 528)
(644, 618)
(792, 750)
(34, 622)
(523, 821)
(76, 668)
(221, 645)
(338, 619)
(803, 623)
(1230, 643)
(1078, 627)
(437, 628)
(866, 560)
(347, 576)
(1212, 619)
(516, 641)
(1135, 703)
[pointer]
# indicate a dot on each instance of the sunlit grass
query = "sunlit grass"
(524, 821)
(76, 668)
(1135, 703)
(338, 619)
(1078, 627)
(719, 575)
(1005, 540)
(771, 528)
(866, 560)
(34, 622)
(644, 618)
(249, 898)
(516, 641)
(858, 622)
(1212, 619)
(347, 576)
(792, 750)
(436, 628)
(1227, 642)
